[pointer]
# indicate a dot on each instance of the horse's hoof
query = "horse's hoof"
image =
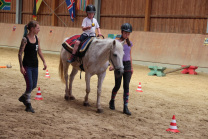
(69, 98)
(86, 104)
(72, 98)
(99, 110)
(66, 98)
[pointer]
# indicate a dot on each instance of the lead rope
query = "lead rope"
(80, 74)
(81, 62)
(111, 60)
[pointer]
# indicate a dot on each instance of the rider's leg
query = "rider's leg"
(73, 57)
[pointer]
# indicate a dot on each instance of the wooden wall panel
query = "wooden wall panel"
(170, 16)
(8, 16)
(116, 12)
(178, 7)
(197, 26)
(179, 16)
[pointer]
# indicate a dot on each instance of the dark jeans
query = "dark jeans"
(31, 78)
(82, 37)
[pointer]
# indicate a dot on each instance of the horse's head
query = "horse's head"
(116, 57)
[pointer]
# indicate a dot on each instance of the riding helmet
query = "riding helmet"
(90, 9)
(126, 27)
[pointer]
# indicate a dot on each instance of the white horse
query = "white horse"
(95, 61)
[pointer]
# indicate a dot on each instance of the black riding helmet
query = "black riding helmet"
(126, 27)
(90, 9)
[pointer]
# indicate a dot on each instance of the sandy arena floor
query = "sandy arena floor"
(185, 96)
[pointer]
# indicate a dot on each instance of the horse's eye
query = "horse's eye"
(115, 55)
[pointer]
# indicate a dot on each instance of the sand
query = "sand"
(182, 95)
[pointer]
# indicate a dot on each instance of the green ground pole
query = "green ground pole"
(155, 70)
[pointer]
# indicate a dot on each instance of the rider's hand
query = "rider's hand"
(89, 27)
(100, 35)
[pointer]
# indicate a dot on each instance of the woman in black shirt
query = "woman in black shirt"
(30, 45)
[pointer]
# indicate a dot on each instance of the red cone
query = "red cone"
(47, 74)
(139, 88)
(38, 95)
(173, 127)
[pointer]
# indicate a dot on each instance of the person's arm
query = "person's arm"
(86, 28)
(131, 64)
(99, 32)
(21, 50)
(41, 55)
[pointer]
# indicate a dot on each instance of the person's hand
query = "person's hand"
(45, 66)
(132, 71)
(89, 27)
(111, 68)
(100, 35)
(22, 70)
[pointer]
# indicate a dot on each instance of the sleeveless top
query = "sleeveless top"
(30, 54)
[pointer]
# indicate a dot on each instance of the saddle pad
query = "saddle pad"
(69, 45)
(85, 44)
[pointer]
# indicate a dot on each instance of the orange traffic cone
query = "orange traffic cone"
(47, 74)
(173, 127)
(139, 88)
(38, 95)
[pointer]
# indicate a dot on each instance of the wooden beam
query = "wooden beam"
(54, 19)
(147, 15)
(180, 16)
(122, 16)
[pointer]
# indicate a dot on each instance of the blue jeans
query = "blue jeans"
(31, 78)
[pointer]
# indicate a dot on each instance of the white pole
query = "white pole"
(17, 12)
(207, 25)
(97, 4)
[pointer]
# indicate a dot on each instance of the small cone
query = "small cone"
(47, 74)
(173, 127)
(139, 88)
(38, 95)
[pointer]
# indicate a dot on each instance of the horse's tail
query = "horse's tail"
(61, 71)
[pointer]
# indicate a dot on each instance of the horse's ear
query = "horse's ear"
(114, 42)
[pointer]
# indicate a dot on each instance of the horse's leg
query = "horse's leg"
(87, 80)
(99, 87)
(65, 69)
(71, 78)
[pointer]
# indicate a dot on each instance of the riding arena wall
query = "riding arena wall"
(170, 48)
(168, 16)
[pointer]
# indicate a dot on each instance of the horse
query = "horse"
(95, 62)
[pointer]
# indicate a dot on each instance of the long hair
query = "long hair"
(29, 26)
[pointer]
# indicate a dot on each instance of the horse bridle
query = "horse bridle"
(116, 68)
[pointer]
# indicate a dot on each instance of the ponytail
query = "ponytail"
(25, 31)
